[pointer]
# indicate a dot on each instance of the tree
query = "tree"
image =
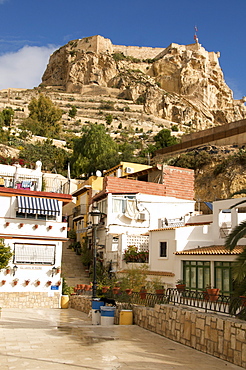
(95, 150)
(164, 139)
(239, 268)
(7, 116)
(72, 112)
(43, 118)
(52, 157)
(5, 255)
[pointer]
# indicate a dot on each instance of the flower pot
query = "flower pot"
(37, 283)
(15, 282)
(159, 292)
(116, 290)
(7, 271)
(243, 298)
(49, 283)
(105, 289)
(143, 294)
(3, 282)
(27, 282)
(180, 287)
(128, 291)
(213, 294)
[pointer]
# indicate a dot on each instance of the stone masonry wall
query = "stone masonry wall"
(80, 303)
(29, 300)
(217, 335)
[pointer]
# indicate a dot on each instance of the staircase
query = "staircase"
(73, 269)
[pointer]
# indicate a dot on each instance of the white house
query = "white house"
(130, 209)
(31, 224)
(195, 252)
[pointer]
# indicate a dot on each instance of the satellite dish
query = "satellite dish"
(98, 173)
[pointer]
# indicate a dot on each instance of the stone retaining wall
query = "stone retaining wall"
(80, 303)
(218, 335)
(29, 300)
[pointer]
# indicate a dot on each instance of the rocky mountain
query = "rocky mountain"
(182, 84)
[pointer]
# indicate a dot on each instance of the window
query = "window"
(34, 254)
(163, 249)
(223, 276)
(196, 274)
(102, 206)
(119, 203)
(34, 216)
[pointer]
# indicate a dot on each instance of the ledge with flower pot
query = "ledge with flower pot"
(212, 294)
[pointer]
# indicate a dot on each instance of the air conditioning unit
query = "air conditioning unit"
(129, 170)
(141, 216)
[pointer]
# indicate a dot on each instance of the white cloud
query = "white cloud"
(24, 68)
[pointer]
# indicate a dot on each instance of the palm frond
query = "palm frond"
(237, 233)
(239, 268)
(239, 192)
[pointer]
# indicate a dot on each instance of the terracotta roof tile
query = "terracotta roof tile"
(212, 250)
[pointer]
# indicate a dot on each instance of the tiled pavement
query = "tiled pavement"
(65, 339)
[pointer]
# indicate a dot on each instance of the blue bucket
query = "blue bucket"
(107, 311)
(96, 304)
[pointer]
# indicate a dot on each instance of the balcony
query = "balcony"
(79, 211)
(22, 182)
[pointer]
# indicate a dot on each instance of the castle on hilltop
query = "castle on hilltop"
(99, 44)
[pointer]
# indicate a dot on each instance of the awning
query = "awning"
(39, 206)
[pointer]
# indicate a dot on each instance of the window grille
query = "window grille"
(34, 254)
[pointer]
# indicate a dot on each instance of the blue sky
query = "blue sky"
(30, 30)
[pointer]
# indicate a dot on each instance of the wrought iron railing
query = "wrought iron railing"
(79, 210)
(223, 304)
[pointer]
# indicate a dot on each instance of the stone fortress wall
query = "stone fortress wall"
(101, 44)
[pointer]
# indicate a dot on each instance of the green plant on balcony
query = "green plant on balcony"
(72, 234)
(132, 254)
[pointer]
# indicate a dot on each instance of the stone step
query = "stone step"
(72, 267)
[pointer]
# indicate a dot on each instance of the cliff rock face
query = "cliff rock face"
(183, 84)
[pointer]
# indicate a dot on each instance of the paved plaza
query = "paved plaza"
(65, 339)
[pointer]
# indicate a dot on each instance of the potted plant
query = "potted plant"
(7, 270)
(71, 234)
(15, 281)
(213, 294)
(37, 282)
(180, 285)
(66, 292)
(105, 288)
(3, 282)
(49, 283)
(128, 291)
(27, 282)
(116, 289)
(143, 292)
(157, 286)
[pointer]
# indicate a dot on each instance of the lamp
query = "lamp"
(96, 216)
(14, 269)
(53, 271)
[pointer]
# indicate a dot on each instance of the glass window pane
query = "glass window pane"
(200, 278)
(226, 280)
(206, 277)
(193, 277)
(218, 280)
